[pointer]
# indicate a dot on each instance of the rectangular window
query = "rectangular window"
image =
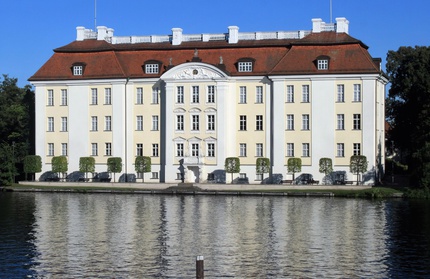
(340, 93)
(242, 95)
(357, 122)
(180, 150)
(322, 64)
(179, 122)
(305, 122)
(242, 122)
(64, 97)
(139, 95)
(259, 150)
(357, 92)
(139, 123)
(94, 149)
(155, 150)
(211, 122)
(180, 95)
(94, 96)
(242, 149)
(155, 95)
(155, 123)
(108, 149)
(63, 124)
(77, 70)
(151, 68)
(139, 149)
(305, 149)
(211, 149)
(341, 122)
(195, 149)
(50, 124)
(50, 149)
(195, 94)
(108, 96)
(211, 94)
(340, 150)
(195, 125)
(356, 149)
(290, 149)
(290, 93)
(245, 66)
(259, 122)
(154, 175)
(259, 94)
(64, 149)
(290, 121)
(108, 123)
(50, 97)
(94, 123)
(305, 93)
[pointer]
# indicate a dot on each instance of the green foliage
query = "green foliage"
(114, 164)
(232, 165)
(358, 164)
(294, 165)
(422, 158)
(59, 164)
(142, 164)
(7, 167)
(423, 193)
(32, 164)
(262, 166)
(86, 165)
(326, 166)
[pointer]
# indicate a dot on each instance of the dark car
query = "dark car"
(102, 177)
(304, 178)
(129, 177)
(75, 176)
(49, 176)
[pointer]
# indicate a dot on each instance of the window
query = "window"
(195, 123)
(94, 149)
(305, 122)
(357, 93)
(108, 123)
(340, 152)
(180, 95)
(259, 150)
(259, 94)
(195, 94)
(245, 66)
(64, 149)
(210, 98)
(155, 150)
(63, 124)
(64, 97)
(242, 149)
(242, 122)
(259, 122)
(242, 95)
(290, 93)
(322, 64)
(77, 70)
(108, 149)
(290, 121)
(180, 150)
(179, 122)
(139, 95)
(50, 124)
(290, 149)
(357, 122)
(155, 123)
(50, 97)
(340, 93)
(155, 95)
(305, 149)
(211, 122)
(154, 175)
(139, 123)
(50, 149)
(94, 96)
(259, 177)
(151, 68)
(356, 149)
(340, 122)
(211, 149)
(195, 149)
(305, 93)
(94, 123)
(139, 149)
(108, 96)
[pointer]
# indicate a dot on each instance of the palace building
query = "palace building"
(191, 101)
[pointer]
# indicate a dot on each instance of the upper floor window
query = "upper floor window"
(179, 150)
(195, 122)
(290, 93)
(64, 149)
(77, 70)
(340, 150)
(211, 149)
(50, 124)
(357, 121)
(211, 122)
(242, 122)
(357, 92)
(210, 94)
(139, 123)
(305, 93)
(305, 122)
(179, 122)
(139, 149)
(259, 150)
(290, 121)
(322, 64)
(259, 94)
(108, 123)
(305, 149)
(94, 96)
(242, 95)
(245, 66)
(195, 94)
(259, 122)
(340, 93)
(108, 149)
(356, 149)
(242, 149)
(155, 150)
(63, 124)
(155, 123)
(180, 95)
(155, 95)
(50, 97)
(340, 122)
(151, 68)
(64, 97)
(290, 149)
(108, 96)
(139, 95)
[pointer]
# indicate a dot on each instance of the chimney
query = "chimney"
(317, 25)
(177, 36)
(101, 33)
(233, 34)
(80, 33)
(342, 25)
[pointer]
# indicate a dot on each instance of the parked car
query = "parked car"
(304, 178)
(102, 177)
(241, 180)
(131, 177)
(49, 176)
(75, 176)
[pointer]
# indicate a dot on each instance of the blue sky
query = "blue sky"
(32, 29)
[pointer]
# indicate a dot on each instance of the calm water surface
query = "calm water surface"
(57, 235)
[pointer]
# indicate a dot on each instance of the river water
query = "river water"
(68, 235)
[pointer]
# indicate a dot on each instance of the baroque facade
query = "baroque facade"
(191, 101)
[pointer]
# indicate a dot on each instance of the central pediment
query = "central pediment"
(194, 71)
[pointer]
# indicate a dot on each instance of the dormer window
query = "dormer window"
(152, 67)
(78, 69)
(245, 66)
(322, 63)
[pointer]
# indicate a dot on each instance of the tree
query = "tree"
(114, 164)
(262, 166)
(32, 164)
(86, 165)
(294, 165)
(142, 164)
(408, 104)
(326, 166)
(7, 170)
(232, 165)
(357, 165)
(59, 164)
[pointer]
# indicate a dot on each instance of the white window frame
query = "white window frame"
(94, 96)
(357, 93)
(210, 149)
(290, 149)
(290, 93)
(63, 124)
(94, 123)
(210, 125)
(195, 94)
(356, 121)
(64, 97)
(259, 150)
(51, 124)
(259, 94)
(155, 150)
(340, 93)
(290, 122)
(139, 122)
(51, 149)
(155, 123)
(259, 122)
(180, 149)
(242, 95)
(322, 64)
(340, 122)
(210, 95)
(242, 149)
(139, 96)
(195, 149)
(356, 149)
(195, 122)
(179, 94)
(305, 149)
(139, 149)
(108, 96)
(50, 101)
(78, 70)
(242, 122)
(64, 149)
(108, 149)
(94, 149)
(180, 122)
(340, 150)
(151, 68)
(155, 95)
(305, 93)
(305, 122)
(108, 123)
(245, 66)
(154, 175)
